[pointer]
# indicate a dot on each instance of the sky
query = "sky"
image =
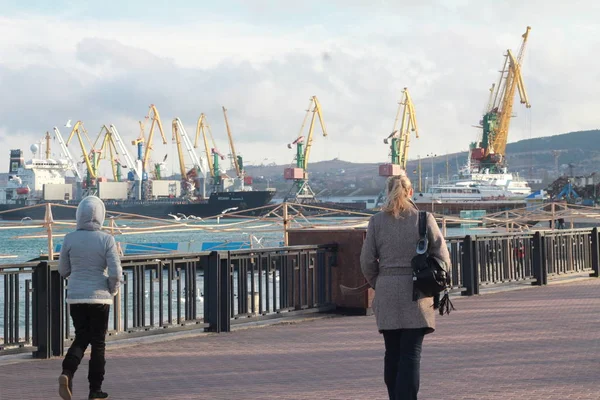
(106, 62)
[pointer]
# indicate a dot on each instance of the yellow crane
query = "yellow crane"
(201, 128)
(299, 173)
(177, 139)
(212, 153)
(490, 152)
(237, 160)
(155, 117)
(107, 142)
(79, 130)
(400, 137)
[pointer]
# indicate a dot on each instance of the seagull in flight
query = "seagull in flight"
(175, 217)
(68, 124)
(25, 219)
(228, 209)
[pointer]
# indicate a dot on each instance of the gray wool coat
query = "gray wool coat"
(385, 260)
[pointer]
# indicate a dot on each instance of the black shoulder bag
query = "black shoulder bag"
(429, 273)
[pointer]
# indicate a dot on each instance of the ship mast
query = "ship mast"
(47, 145)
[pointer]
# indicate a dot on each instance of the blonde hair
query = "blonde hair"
(398, 195)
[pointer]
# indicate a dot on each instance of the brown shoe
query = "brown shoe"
(64, 388)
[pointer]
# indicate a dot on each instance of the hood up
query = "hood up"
(90, 214)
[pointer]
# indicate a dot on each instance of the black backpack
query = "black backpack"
(430, 276)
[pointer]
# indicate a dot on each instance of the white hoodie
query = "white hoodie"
(89, 257)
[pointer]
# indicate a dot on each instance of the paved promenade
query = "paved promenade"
(538, 343)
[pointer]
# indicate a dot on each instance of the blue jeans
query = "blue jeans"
(402, 362)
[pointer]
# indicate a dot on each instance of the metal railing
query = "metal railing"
(246, 285)
(16, 311)
(213, 291)
(162, 294)
(496, 259)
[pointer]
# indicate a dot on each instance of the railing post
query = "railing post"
(595, 254)
(225, 294)
(540, 272)
(217, 292)
(211, 292)
(469, 268)
(57, 313)
(41, 311)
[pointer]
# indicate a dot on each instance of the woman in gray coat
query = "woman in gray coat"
(90, 261)
(385, 261)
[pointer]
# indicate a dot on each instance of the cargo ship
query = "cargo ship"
(41, 181)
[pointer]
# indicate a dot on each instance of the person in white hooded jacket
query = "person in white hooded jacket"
(90, 261)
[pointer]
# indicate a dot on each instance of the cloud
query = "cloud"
(355, 58)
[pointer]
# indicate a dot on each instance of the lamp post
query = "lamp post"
(431, 155)
(419, 167)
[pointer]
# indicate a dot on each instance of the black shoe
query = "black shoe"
(64, 387)
(98, 395)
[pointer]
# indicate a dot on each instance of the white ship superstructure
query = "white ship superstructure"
(27, 181)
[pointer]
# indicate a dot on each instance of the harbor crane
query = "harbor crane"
(91, 176)
(238, 161)
(100, 153)
(213, 156)
(67, 154)
(198, 172)
(135, 166)
(489, 153)
(154, 116)
(71, 161)
(399, 139)
(301, 191)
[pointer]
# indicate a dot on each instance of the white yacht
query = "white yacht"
(472, 188)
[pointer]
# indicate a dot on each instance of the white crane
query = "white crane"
(197, 161)
(134, 165)
(67, 153)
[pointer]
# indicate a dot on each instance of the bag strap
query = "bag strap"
(423, 224)
(423, 243)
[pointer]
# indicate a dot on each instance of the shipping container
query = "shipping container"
(113, 190)
(389, 170)
(166, 188)
(293, 173)
(247, 180)
(57, 191)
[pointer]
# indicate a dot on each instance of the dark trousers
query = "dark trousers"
(402, 362)
(91, 323)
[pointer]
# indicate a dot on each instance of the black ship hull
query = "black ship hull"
(214, 205)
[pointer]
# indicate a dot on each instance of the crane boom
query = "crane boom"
(201, 127)
(238, 169)
(133, 166)
(67, 154)
(190, 149)
(177, 137)
(197, 162)
(315, 112)
(77, 130)
(155, 116)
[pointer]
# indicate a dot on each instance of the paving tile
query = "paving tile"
(540, 343)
